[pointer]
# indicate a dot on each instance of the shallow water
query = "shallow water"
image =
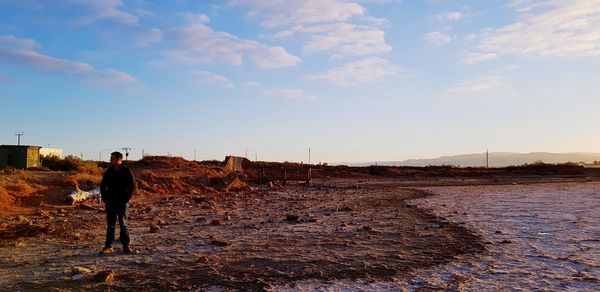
(538, 237)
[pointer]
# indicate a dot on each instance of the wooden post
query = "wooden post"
(284, 175)
(308, 176)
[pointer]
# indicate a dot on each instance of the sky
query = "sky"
(353, 80)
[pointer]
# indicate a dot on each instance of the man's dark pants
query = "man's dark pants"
(114, 211)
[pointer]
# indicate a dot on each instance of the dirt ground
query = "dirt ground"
(248, 240)
(349, 225)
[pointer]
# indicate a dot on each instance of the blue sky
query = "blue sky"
(354, 80)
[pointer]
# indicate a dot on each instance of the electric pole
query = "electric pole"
(487, 158)
(308, 155)
(126, 152)
(19, 134)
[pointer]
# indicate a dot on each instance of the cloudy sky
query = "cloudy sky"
(354, 80)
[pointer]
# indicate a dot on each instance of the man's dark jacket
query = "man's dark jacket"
(117, 185)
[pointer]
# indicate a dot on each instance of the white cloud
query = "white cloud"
(278, 13)
(105, 10)
(209, 78)
(287, 94)
(471, 57)
(449, 16)
(339, 27)
(548, 29)
(437, 38)
(199, 44)
(10, 41)
(343, 39)
(489, 84)
(20, 52)
(149, 36)
(357, 73)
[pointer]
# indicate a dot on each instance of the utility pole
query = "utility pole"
(19, 134)
(255, 156)
(308, 155)
(126, 152)
(246, 153)
(487, 158)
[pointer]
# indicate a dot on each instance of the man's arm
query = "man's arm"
(103, 185)
(130, 185)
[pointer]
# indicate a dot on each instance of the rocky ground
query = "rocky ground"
(250, 240)
(197, 227)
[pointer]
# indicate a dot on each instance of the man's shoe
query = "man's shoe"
(107, 250)
(128, 250)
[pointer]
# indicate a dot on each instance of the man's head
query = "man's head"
(116, 158)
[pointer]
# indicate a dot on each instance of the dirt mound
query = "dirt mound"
(28, 189)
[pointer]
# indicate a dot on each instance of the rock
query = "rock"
(292, 218)
(345, 209)
(105, 276)
(154, 228)
(78, 277)
(81, 270)
(220, 243)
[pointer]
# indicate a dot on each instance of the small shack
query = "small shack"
(19, 156)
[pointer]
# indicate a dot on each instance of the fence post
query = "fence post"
(308, 176)
(284, 175)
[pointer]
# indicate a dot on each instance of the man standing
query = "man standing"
(116, 189)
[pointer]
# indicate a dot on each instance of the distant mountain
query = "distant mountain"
(496, 159)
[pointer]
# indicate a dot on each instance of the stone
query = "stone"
(292, 218)
(220, 243)
(154, 228)
(80, 270)
(105, 276)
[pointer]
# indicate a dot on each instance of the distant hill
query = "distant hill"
(496, 159)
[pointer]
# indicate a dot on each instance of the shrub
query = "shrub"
(71, 163)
